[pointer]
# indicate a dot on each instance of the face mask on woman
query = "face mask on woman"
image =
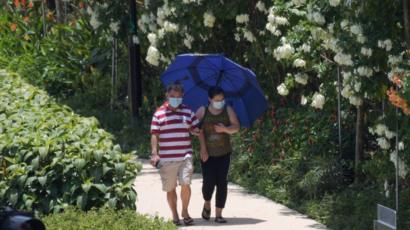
(175, 102)
(218, 104)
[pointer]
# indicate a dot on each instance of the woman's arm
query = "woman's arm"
(234, 127)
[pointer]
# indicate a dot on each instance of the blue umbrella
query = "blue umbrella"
(198, 72)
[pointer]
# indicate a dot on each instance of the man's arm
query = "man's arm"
(154, 149)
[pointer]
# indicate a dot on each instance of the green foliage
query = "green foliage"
(104, 219)
(52, 157)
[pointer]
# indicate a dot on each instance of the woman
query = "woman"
(218, 123)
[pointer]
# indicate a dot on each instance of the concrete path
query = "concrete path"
(243, 210)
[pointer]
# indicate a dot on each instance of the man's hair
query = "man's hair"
(215, 90)
(175, 87)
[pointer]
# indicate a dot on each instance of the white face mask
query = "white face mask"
(175, 102)
(218, 104)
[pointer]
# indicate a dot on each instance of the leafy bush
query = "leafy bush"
(104, 219)
(52, 157)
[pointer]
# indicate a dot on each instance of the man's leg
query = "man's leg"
(185, 197)
(172, 202)
(169, 172)
(185, 175)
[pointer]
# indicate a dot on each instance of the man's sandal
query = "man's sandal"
(188, 221)
(176, 222)
(206, 214)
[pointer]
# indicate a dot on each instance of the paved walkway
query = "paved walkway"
(243, 210)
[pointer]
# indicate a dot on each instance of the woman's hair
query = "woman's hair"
(175, 87)
(215, 90)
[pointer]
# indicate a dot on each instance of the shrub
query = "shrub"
(52, 157)
(102, 219)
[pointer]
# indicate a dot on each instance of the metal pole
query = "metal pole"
(397, 163)
(339, 113)
(135, 93)
(113, 72)
(43, 11)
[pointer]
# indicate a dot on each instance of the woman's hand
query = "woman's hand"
(220, 128)
(204, 155)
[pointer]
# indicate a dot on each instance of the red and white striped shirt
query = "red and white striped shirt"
(173, 129)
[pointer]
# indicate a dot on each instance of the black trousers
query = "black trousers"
(215, 173)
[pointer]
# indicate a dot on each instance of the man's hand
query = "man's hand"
(220, 128)
(195, 131)
(204, 155)
(154, 159)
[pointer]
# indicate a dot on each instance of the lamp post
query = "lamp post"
(134, 79)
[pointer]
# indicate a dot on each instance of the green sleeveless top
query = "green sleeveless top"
(217, 144)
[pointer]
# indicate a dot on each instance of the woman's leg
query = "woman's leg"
(209, 180)
(222, 183)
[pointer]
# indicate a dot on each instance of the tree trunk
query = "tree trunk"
(359, 141)
(406, 10)
(60, 11)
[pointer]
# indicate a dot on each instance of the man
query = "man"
(171, 126)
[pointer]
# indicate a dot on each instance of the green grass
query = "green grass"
(104, 219)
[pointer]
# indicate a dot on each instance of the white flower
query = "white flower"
(361, 39)
(343, 59)
(135, 39)
(89, 10)
(357, 86)
(209, 19)
(356, 29)
(299, 2)
(237, 37)
(152, 38)
(364, 71)
(153, 56)
(371, 131)
(402, 165)
(281, 20)
(283, 52)
(115, 27)
(386, 44)
(242, 18)
(305, 48)
(188, 41)
(389, 134)
(299, 63)
(94, 21)
(334, 2)
(318, 18)
(170, 27)
(347, 91)
(318, 101)
(401, 145)
(249, 36)
(261, 7)
(366, 51)
(383, 143)
(282, 90)
(301, 78)
(344, 24)
(380, 129)
(303, 100)
(161, 33)
(394, 60)
(355, 100)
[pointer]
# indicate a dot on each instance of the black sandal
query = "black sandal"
(206, 214)
(176, 222)
(188, 221)
(220, 219)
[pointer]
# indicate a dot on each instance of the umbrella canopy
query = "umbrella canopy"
(199, 72)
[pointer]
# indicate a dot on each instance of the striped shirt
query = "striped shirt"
(173, 129)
